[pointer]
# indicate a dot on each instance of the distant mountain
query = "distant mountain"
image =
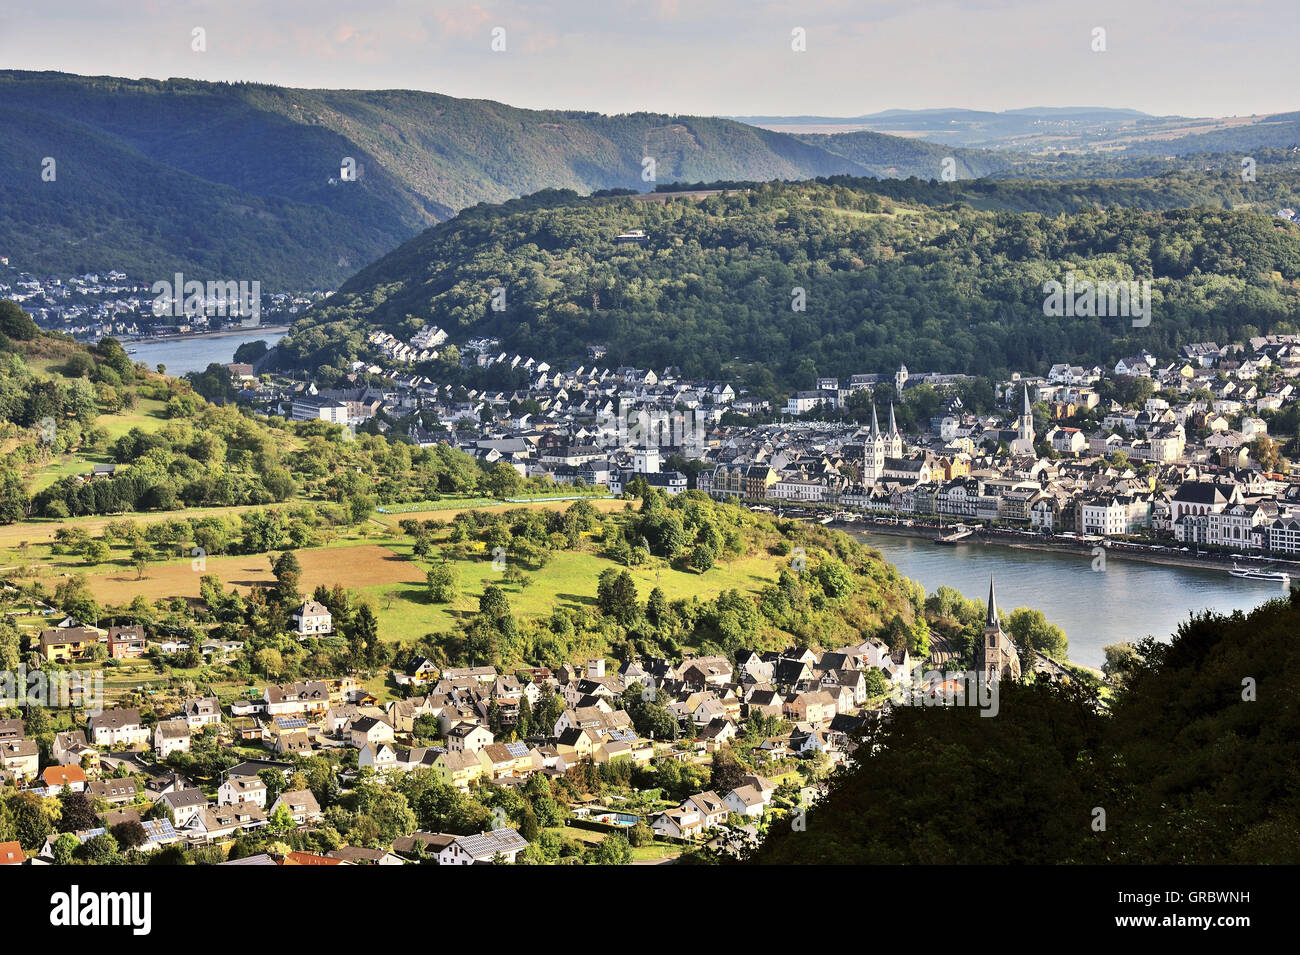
(243, 180)
(1040, 129)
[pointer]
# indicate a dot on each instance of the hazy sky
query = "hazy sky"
(1194, 57)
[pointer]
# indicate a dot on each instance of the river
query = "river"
(195, 353)
(1128, 600)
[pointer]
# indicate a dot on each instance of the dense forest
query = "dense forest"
(890, 274)
(268, 204)
(1188, 764)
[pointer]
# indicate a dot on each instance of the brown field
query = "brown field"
(362, 565)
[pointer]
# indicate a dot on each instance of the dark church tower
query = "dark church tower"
(997, 656)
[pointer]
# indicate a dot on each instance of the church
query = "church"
(1024, 440)
(878, 446)
(997, 657)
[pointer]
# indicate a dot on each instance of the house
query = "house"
(185, 804)
(117, 727)
(59, 778)
(312, 618)
(747, 800)
(71, 747)
(381, 756)
(678, 823)
(369, 729)
(360, 855)
(301, 804)
(418, 670)
(710, 806)
(11, 853)
(467, 736)
(126, 643)
(309, 698)
(115, 792)
(459, 768)
(213, 824)
(66, 644)
(171, 736)
(11, 729)
(504, 843)
(240, 789)
(20, 757)
(202, 711)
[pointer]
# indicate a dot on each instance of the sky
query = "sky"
(717, 57)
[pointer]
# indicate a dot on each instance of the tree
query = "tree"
(727, 772)
(13, 496)
(77, 812)
(612, 850)
(288, 578)
(96, 552)
(281, 820)
(703, 557)
(1031, 631)
(504, 481)
(363, 640)
(130, 834)
(494, 605)
(443, 582)
(140, 557)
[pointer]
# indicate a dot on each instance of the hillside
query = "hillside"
(240, 180)
(894, 272)
(1186, 767)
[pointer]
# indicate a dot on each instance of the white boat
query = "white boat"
(1250, 573)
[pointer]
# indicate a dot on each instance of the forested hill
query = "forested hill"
(1193, 764)
(919, 279)
(241, 180)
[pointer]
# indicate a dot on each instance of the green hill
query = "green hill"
(893, 272)
(241, 180)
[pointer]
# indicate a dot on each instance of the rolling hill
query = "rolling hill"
(941, 276)
(243, 180)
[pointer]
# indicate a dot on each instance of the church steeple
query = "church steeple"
(893, 427)
(1026, 409)
(875, 422)
(997, 656)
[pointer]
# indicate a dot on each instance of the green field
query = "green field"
(569, 580)
(148, 416)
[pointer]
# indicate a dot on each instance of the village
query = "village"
(801, 709)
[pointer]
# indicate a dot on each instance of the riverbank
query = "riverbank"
(254, 333)
(1114, 550)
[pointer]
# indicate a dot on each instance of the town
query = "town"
(1159, 450)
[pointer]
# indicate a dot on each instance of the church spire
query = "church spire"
(992, 618)
(1025, 409)
(893, 428)
(875, 422)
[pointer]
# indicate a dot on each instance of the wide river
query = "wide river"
(1129, 600)
(183, 355)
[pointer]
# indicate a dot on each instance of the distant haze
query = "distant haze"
(1188, 57)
